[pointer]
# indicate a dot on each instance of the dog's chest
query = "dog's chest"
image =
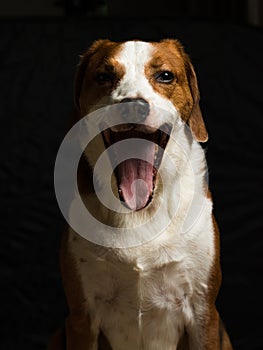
(141, 306)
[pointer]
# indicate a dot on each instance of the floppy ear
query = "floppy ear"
(81, 69)
(79, 77)
(195, 121)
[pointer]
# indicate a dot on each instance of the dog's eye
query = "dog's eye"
(164, 77)
(104, 77)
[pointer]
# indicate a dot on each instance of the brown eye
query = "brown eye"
(104, 78)
(164, 77)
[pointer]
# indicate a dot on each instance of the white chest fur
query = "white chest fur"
(145, 297)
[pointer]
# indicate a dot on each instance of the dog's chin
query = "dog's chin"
(136, 176)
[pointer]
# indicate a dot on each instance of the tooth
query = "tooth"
(156, 152)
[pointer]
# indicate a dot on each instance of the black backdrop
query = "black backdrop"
(38, 60)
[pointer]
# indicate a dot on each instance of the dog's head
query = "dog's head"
(143, 78)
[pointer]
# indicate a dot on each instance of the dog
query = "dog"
(158, 292)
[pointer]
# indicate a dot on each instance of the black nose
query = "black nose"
(135, 109)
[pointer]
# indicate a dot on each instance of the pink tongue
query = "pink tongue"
(136, 179)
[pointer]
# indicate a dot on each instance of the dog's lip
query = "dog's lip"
(146, 129)
(151, 133)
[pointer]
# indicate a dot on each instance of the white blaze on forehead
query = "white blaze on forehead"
(135, 54)
(133, 57)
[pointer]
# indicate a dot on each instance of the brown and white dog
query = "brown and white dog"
(159, 295)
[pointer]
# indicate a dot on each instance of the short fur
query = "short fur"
(159, 295)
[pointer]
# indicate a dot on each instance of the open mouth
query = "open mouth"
(136, 176)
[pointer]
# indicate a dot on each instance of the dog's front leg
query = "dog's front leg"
(81, 328)
(216, 337)
(75, 336)
(80, 335)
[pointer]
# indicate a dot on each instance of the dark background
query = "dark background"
(40, 42)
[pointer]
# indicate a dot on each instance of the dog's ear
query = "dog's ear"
(81, 69)
(79, 77)
(195, 121)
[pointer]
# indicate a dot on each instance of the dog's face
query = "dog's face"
(148, 77)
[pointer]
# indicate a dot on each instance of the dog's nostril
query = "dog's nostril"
(134, 99)
(137, 108)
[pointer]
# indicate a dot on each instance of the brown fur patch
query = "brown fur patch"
(99, 58)
(183, 91)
